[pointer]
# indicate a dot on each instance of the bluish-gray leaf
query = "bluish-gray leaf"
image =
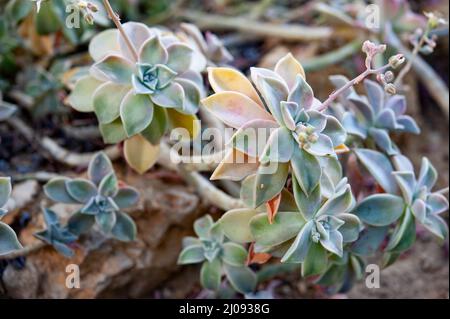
(124, 229)
(243, 279)
(8, 240)
(380, 209)
(306, 169)
(300, 247)
(99, 167)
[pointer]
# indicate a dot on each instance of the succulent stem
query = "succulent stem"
(116, 19)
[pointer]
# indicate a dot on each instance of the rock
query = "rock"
(109, 268)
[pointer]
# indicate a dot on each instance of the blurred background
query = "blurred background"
(38, 54)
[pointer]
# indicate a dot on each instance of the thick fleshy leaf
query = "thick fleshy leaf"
(437, 203)
(124, 228)
(202, 226)
(404, 234)
(272, 89)
(379, 167)
(107, 100)
(8, 240)
(407, 184)
(5, 190)
(409, 124)
(234, 254)
(211, 274)
(235, 109)
(402, 163)
(428, 175)
(308, 205)
(353, 127)
(419, 210)
(300, 247)
(56, 190)
(109, 185)
(270, 180)
(136, 112)
(235, 166)
(375, 94)
(285, 226)
(226, 79)
(289, 68)
(335, 131)
(81, 97)
(126, 197)
(288, 113)
(99, 167)
(140, 154)
(369, 241)
(190, 241)
(334, 242)
(81, 190)
(236, 224)
(339, 204)
(397, 103)
(306, 169)
(113, 133)
(138, 33)
(363, 110)
(180, 57)
(386, 119)
(322, 147)
(106, 221)
(157, 127)
(243, 279)
(189, 123)
(153, 52)
(191, 255)
(301, 93)
(383, 140)
(252, 137)
(280, 147)
(192, 94)
(80, 223)
(316, 261)
(380, 209)
(171, 96)
(437, 226)
(103, 44)
(116, 69)
(351, 228)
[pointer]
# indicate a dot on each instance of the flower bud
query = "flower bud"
(389, 76)
(93, 7)
(396, 60)
(390, 89)
(89, 18)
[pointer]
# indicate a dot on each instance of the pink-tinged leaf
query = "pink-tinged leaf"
(235, 109)
(226, 79)
(288, 68)
(272, 207)
(235, 166)
(103, 44)
(138, 33)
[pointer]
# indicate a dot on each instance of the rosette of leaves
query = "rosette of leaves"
(282, 107)
(8, 238)
(306, 230)
(56, 235)
(219, 257)
(374, 117)
(414, 201)
(137, 100)
(208, 50)
(101, 198)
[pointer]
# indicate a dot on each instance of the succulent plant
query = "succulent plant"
(8, 238)
(218, 256)
(305, 230)
(56, 235)
(408, 201)
(284, 107)
(138, 99)
(208, 49)
(374, 117)
(101, 197)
